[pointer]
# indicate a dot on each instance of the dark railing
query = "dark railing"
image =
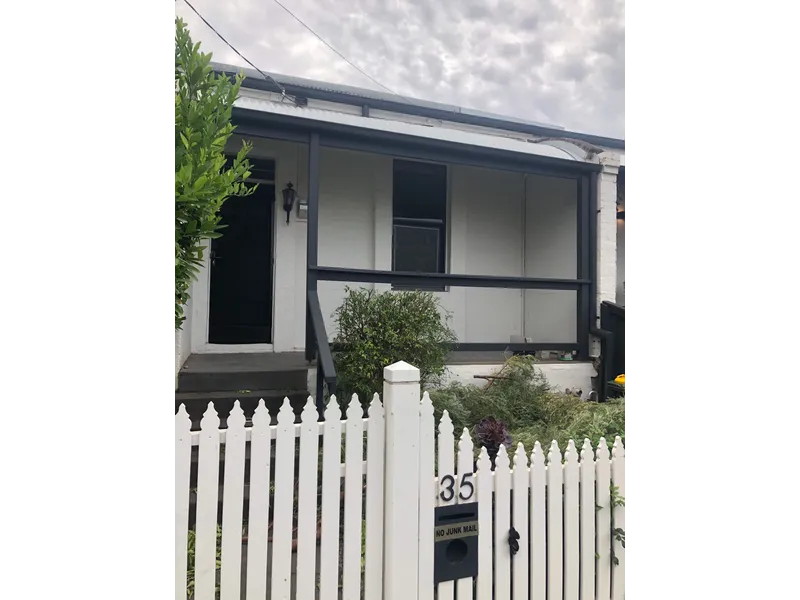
(612, 336)
(326, 371)
(428, 280)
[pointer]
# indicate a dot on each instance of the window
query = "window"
(419, 232)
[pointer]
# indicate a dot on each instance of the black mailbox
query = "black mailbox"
(455, 542)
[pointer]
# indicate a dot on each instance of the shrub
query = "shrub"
(531, 409)
(377, 329)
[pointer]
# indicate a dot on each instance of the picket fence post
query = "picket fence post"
(401, 402)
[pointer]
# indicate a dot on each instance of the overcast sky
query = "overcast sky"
(555, 61)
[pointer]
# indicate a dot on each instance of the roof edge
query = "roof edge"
(427, 109)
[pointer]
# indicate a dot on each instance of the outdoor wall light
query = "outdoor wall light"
(289, 196)
(621, 215)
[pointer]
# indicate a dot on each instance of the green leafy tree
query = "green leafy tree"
(204, 177)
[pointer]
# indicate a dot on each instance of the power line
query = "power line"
(211, 27)
(342, 56)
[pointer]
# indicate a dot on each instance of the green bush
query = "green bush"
(377, 329)
(203, 108)
(531, 409)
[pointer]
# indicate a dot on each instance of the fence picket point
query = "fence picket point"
(618, 480)
(232, 505)
(353, 490)
(183, 457)
(571, 523)
(446, 467)
(485, 485)
(587, 517)
(555, 520)
(603, 520)
(307, 501)
(520, 561)
(331, 495)
(284, 499)
(538, 524)
(205, 559)
(502, 524)
(373, 561)
(427, 497)
(465, 467)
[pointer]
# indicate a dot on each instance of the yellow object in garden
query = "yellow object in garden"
(620, 379)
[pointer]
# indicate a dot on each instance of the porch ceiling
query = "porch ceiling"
(467, 141)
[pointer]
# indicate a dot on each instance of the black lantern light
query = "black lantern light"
(289, 195)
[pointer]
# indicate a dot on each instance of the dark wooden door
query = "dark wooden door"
(240, 310)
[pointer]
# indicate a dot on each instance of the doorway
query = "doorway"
(241, 264)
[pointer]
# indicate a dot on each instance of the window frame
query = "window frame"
(441, 225)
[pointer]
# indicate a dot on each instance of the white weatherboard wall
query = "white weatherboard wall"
(551, 251)
(499, 223)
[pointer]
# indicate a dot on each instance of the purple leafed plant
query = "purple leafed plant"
(490, 433)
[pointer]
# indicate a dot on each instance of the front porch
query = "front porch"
(502, 230)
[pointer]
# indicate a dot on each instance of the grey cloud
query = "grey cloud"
(554, 60)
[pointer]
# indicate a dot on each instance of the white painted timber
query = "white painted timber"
(331, 497)
(205, 561)
(555, 524)
(353, 488)
(538, 524)
(521, 477)
(618, 480)
(603, 499)
(446, 467)
(284, 499)
(232, 505)
(427, 498)
(401, 397)
(571, 523)
(183, 453)
(465, 484)
(502, 524)
(485, 485)
(257, 522)
(587, 510)
(307, 502)
(373, 561)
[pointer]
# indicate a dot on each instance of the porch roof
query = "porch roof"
(465, 139)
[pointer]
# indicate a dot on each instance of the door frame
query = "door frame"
(201, 294)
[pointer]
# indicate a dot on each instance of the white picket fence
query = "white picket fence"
(393, 472)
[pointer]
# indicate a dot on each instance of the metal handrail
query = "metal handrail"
(326, 370)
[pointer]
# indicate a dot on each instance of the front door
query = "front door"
(240, 310)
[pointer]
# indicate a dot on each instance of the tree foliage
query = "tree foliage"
(204, 178)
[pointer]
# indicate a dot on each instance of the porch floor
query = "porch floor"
(245, 362)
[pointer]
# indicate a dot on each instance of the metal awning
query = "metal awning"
(466, 139)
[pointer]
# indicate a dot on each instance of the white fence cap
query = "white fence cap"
(401, 372)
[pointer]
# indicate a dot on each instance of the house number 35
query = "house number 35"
(448, 484)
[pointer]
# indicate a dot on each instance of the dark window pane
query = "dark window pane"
(416, 249)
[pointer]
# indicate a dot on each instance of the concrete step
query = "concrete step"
(235, 372)
(196, 403)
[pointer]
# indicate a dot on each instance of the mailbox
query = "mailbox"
(455, 542)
